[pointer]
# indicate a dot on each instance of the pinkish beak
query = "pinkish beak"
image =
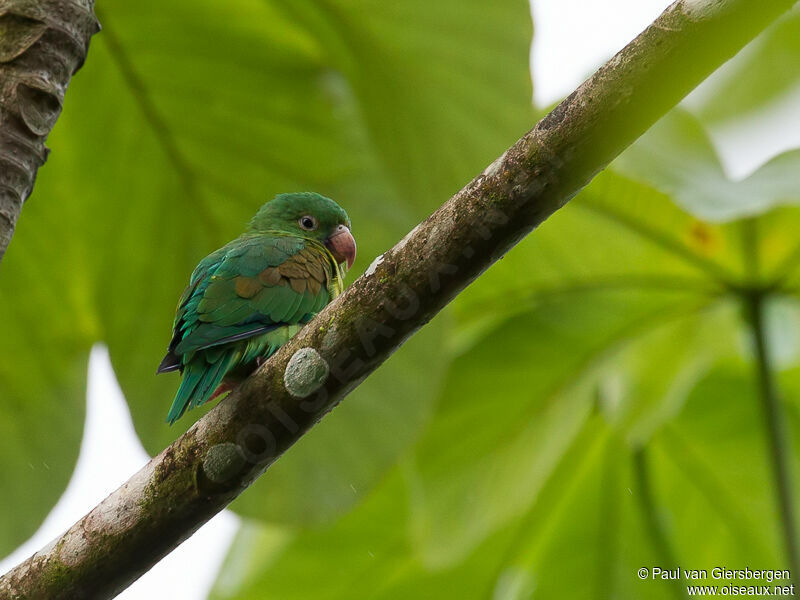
(342, 245)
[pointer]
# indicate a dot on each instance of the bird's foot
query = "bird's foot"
(222, 389)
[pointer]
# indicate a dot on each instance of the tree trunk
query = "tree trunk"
(42, 44)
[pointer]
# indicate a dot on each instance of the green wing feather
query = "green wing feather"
(243, 302)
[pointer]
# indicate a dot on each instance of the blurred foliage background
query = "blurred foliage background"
(587, 407)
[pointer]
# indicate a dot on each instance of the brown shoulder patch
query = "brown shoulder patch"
(316, 268)
(298, 285)
(292, 269)
(247, 287)
(314, 286)
(270, 276)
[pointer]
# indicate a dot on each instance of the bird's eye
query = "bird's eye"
(308, 223)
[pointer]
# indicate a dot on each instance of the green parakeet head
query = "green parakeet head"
(310, 216)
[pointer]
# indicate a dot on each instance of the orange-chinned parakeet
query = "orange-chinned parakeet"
(249, 297)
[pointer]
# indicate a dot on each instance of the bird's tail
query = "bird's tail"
(201, 377)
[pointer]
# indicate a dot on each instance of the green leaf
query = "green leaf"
(599, 416)
(511, 406)
(606, 510)
(187, 117)
(560, 324)
(586, 407)
(766, 70)
(349, 104)
(676, 502)
(591, 527)
(705, 459)
(634, 319)
(362, 549)
(47, 331)
(677, 158)
(367, 554)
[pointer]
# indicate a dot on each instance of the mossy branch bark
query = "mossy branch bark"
(403, 289)
(42, 44)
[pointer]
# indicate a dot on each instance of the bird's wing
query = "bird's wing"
(250, 286)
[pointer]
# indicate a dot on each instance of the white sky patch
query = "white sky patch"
(110, 453)
(748, 141)
(572, 38)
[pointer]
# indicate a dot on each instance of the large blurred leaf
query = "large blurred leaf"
(606, 510)
(59, 274)
(609, 297)
(512, 404)
(591, 527)
(598, 417)
(623, 296)
(677, 501)
(676, 156)
(621, 302)
(703, 463)
(600, 414)
(368, 554)
(759, 75)
(189, 115)
(46, 335)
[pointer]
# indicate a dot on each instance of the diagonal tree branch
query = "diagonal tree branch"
(42, 44)
(403, 289)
